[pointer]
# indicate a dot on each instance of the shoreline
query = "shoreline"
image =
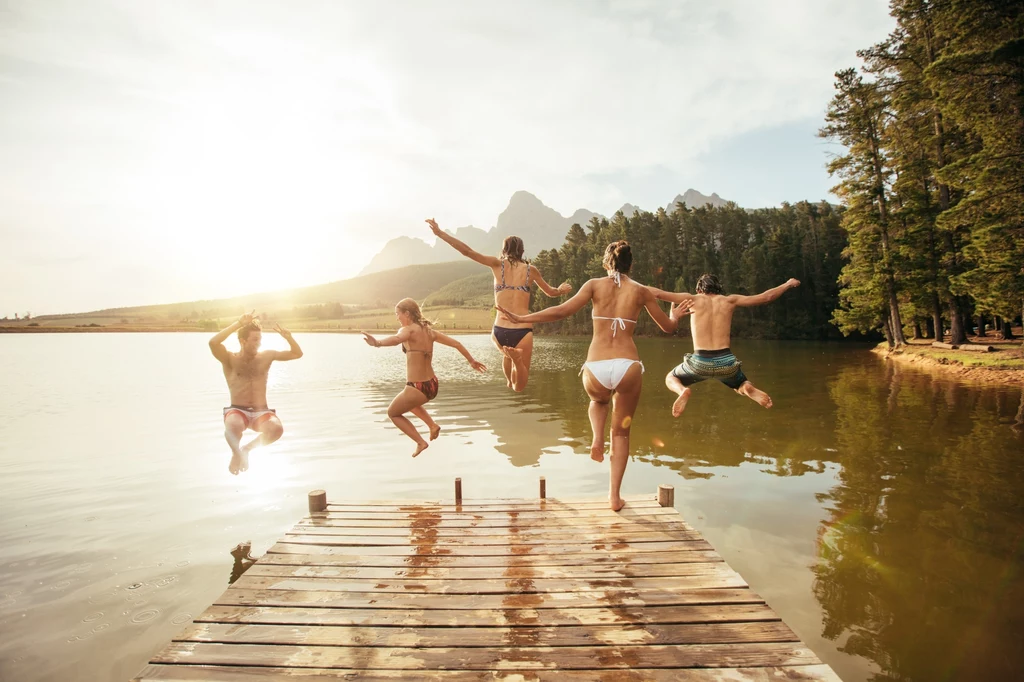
(1004, 367)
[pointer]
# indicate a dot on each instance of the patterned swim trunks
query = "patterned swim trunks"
(710, 364)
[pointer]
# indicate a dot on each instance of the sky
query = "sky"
(175, 150)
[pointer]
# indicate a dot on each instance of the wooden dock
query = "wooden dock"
(517, 589)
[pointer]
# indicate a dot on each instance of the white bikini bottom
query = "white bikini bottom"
(610, 372)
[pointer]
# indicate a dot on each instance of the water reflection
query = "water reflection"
(243, 561)
(922, 546)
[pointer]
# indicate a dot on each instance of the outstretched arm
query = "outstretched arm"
(668, 323)
(293, 352)
(673, 297)
(557, 312)
(446, 340)
(402, 335)
(217, 342)
(461, 247)
(563, 288)
(765, 296)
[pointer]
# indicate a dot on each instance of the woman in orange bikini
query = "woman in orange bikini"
(417, 337)
(512, 279)
(613, 372)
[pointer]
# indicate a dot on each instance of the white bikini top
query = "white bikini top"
(617, 322)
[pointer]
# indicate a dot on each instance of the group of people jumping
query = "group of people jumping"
(612, 374)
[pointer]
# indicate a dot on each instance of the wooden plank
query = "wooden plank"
(284, 553)
(541, 521)
(452, 515)
(315, 570)
(236, 596)
(469, 540)
(622, 616)
(718, 575)
(426, 555)
(704, 633)
(516, 535)
(489, 658)
(537, 527)
(195, 673)
(498, 503)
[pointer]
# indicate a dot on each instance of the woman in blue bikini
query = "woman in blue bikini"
(613, 371)
(512, 279)
(417, 338)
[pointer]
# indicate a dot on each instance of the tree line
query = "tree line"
(933, 173)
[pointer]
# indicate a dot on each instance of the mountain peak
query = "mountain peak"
(694, 199)
(524, 198)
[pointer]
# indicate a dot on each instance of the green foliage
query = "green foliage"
(750, 251)
(475, 291)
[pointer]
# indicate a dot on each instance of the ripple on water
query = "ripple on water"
(62, 585)
(144, 616)
(92, 617)
(182, 618)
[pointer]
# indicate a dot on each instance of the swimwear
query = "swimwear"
(609, 373)
(617, 322)
(427, 388)
(507, 336)
(251, 415)
(710, 364)
(505, 287)
(414, 350)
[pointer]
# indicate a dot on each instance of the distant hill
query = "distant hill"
(415, 281)
(526, 216)
(475, 290)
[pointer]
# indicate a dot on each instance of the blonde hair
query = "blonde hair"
(407, 305)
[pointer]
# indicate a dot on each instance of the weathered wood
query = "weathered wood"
(623, 616)
(947, 346)
(494, 501)
(977, 348)
(236, 596)
(704, 633)
(317, 501)
(489, 658)
(543, 488)
(490, 590)
(311, 568)
(458, 491)
(203, 673)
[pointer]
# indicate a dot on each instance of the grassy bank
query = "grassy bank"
(1003, 366)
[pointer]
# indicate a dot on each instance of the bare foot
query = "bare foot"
(235, 465)
(757, 395)
(597, 452)
(616, 503)
(420, 448)
(435, 430)
(680, 404)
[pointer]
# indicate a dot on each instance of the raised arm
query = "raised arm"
(557, 312)
(672, 296)
(563, 288)
(402, 335)
(446, 340)
(461, 247)
(667, 323)
(293, 352)
(217, 342)
(765, 296)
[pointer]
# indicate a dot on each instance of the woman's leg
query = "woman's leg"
(404, 402)
(506, 361)
(598, 413)
(421, 412)
(627, 395)
(521, 357)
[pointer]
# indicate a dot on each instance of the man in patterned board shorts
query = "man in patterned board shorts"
(711, 327)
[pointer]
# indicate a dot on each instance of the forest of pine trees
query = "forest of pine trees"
(930, 237)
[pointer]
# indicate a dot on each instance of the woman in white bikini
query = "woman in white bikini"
(417, 338)
(613, 371)
(512, 279)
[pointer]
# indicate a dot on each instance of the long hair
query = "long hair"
(407, 305)
(618, 257)
(708, 284)
(512, 249)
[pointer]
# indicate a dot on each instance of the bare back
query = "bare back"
(515, 300)
(419, 351)
(711, 321)
(247, 378)
(613, 338)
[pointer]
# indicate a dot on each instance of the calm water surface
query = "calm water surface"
(878, 510)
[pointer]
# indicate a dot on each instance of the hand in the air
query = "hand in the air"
(281, 330)
(370, 341)
(478, 366)
(564, 288)
(247, 318)
(681, 309)
(793, 283)
(433, 226)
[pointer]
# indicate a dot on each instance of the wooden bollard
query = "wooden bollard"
(543, 488)
(458, 491)
(317, 501)
(666, 495)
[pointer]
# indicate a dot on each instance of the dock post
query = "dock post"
(458, 491)
(666, 495)
(317, 501)
(543, 489)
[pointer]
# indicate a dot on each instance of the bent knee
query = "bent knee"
(394, 413)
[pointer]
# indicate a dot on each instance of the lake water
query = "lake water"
(879, 510)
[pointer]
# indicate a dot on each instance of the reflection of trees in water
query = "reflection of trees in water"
(922, 550)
